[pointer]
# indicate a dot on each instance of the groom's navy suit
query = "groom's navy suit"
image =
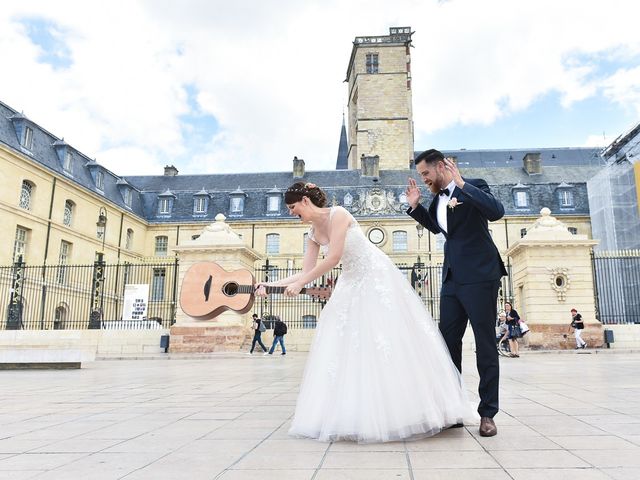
(471, 275)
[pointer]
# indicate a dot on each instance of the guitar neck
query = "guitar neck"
(269, 288)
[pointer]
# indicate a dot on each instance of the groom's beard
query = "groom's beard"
(437, 185)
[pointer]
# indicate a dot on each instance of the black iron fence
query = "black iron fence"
(302, 312)
(52, 297)
(616, 279)
(69, 297)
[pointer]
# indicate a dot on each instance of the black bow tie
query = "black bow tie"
(444, 191)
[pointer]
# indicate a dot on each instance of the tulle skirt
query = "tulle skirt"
(378, 369)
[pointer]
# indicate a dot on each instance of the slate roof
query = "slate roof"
(574, 166)
(44, 152)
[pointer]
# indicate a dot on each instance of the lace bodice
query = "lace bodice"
(359, 256)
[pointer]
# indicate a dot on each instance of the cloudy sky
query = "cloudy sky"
(215, 86)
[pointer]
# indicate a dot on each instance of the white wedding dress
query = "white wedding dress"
(378, 369)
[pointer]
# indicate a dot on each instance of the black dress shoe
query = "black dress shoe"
(487, 427)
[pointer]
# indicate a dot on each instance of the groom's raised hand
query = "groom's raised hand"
(413, 193)
(455, 173)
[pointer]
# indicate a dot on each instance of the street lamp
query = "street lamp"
(420, 232)
(101, 224)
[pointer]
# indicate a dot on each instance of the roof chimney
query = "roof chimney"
(532, 163)
(298, 167)
(170, 171)
(370, 166)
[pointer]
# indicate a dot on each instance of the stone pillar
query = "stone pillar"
(552, 273)
(228, 331)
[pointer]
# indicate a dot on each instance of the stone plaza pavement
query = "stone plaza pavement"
(564, 415)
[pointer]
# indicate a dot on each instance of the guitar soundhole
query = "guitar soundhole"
(230, 289)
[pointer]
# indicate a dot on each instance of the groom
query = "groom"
(471, 270)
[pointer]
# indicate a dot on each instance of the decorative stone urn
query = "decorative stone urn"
(552, 273)
(228, 331)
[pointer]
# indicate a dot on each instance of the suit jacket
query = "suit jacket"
(470, 255)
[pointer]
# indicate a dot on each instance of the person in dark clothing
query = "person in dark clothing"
(279, 331)
(578, 325)
(258, 327)
(513, 322)
(461, 210)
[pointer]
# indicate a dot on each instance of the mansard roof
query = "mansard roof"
(502, 169)
(43, 151)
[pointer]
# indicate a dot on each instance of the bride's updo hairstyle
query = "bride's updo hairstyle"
(300, 189)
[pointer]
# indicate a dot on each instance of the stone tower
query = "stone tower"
(380, 105)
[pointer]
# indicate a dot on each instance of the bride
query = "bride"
(378, 369)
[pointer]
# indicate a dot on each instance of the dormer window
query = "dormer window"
(100, 180)
(274, 204)
(126, 195)
(164, 206)
(522, 199)
(165, 202)
(565, 195)
(200, 205)
(566, 198)
(237, 205)
(348, 200)
(274, 196)
(201, 202)
(67, 162)
(521, 196)
(27, 138)
(236, 202)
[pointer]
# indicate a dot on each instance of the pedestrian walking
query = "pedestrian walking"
(578, 325)
(279, 331)
(258, 327)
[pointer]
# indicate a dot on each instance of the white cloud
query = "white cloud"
(271, 72)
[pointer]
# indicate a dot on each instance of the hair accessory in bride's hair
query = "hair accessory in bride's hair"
(309, 185)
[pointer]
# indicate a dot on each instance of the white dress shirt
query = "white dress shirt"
(441, 208)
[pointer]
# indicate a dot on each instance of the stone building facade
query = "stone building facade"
(59, 206)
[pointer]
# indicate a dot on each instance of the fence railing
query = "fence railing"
(52, 297)
(616, 279)
(49, 297)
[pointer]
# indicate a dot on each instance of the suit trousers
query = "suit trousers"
(476, 303)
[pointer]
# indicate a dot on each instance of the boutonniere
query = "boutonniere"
(453, 203)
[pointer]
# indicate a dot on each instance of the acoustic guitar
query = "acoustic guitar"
(208, 290)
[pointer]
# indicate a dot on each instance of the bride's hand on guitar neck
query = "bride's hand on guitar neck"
(293, 289)
(260, 290)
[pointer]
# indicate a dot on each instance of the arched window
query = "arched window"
(273, 243)
(68, 213)
(129, 242)
(400, 241)
(60, 317)
(305, 240)
(26, 194)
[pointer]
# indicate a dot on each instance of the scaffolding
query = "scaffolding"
(615, 222)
